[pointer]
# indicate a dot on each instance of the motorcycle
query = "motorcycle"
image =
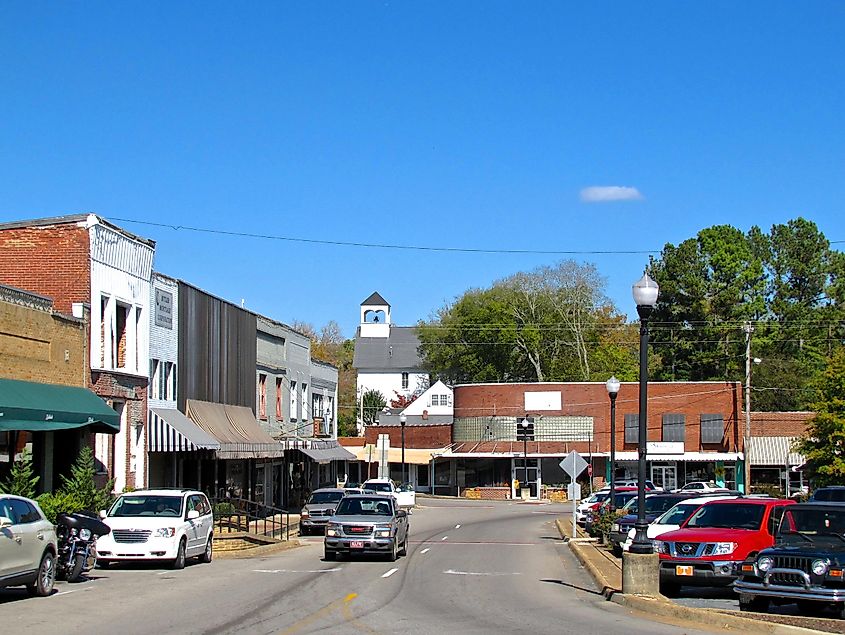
(77, 536)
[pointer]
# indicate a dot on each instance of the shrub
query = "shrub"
(22, 479)
(223, 509)
(78, 492)
(605, 520)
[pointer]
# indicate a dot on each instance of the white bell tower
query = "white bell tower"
(375, 317)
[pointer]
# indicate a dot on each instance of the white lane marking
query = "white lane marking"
(55, 595)
(390, 573)
(443, 538)
(426, 550)
(504, 544)
(457, 526)
(451, 572)
(296, 570)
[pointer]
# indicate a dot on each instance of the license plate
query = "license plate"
(683, 570)
(356, 544)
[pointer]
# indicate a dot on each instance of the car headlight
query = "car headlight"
(764, 563)
(304, 513)
(614, 527)
(85, 534)
(332, 529)
(658, 545)
(165, 532)
(723, 548)
(819, 567)
(383, 531)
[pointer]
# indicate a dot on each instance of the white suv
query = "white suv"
(165, 524)
(27, 546)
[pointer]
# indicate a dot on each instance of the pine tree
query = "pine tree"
(21, 480)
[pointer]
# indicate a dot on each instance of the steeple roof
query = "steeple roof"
(375, 299)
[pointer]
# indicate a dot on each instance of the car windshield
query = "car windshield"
(677, 514)
(620, 499)
(359, 506)
(321, 498)
(405, 487)
(728, 516)
(378, 487)
(653, 504)
(829, 495)
(146, 505)
(813, 522)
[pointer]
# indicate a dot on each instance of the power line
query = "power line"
(345, 243)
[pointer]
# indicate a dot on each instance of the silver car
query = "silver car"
(371, 524)
(319, 509)
(27, 546)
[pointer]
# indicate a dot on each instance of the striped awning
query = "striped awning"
(774, 451)
(171, 431)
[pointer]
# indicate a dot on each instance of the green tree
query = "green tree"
(22, 478)
(374, 402)
(80, 485)
(824, 442)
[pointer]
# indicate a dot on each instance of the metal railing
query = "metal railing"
(234, 515)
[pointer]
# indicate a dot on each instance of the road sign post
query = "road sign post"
(573, 464)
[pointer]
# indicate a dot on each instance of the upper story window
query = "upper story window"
(120, 332)
(404, 381)
(262, 396)
(293, 400)
(278, 398)
(674, 428)
(305, 402)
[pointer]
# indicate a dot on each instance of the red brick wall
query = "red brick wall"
(778, 424)
(590, 399)
(415, 436)
(52, 260)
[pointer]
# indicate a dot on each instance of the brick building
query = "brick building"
(694, 433)
(45, 352)
(82, 260)
(773, 461)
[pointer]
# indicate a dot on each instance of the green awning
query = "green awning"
(26, 405)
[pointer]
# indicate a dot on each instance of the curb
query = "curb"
(257, 552)
(665, 608)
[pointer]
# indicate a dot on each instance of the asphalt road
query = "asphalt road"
(473, 567)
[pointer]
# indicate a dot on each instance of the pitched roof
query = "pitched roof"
(375, 298)
(396, 351)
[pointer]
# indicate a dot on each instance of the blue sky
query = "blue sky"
(469, 125)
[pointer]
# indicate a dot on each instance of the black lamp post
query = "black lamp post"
(645, 295)
(402, 420)
(525, 451)
(612, 390)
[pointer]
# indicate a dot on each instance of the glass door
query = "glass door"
(665, 476)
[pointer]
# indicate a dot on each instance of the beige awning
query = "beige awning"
(414, 456)
(235, 428)
(774, 451)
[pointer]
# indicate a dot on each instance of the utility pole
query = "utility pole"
(746, 443)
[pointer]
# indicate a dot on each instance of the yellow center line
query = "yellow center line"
(344, 604)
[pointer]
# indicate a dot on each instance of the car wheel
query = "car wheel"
(103, 564)
(208, 553)
(43, 585)
(755, 604)
(179, 562)
(394, 551)
(670, 589)
(404, 550)
(329, 554)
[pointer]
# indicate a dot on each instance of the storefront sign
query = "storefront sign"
(665, 447)
(164, 309)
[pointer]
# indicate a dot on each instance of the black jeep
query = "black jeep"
(805, 566)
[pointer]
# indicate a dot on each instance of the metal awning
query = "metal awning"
(235, 428)
(692, 457)
(27, 405)
(774, 451)
(327, 455)
(171, 431)
(413, 456)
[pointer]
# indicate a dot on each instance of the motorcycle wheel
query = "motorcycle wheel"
(75, 570)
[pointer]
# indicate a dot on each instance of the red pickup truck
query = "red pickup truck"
(712, 544)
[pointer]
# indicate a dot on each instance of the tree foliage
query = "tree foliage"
(553, 323)
(373, 403)
(824, 442)
(22, 478)
(79, 491)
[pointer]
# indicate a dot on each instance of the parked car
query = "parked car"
(27, 546)
(368, 523)
(622, 496)
(700, 487)
(318, 509)
(169, 525)
(676, 516)
(829, 494)
(633, 482)
(587, 503)
(715, 540)
(406, 496)
(805, 565)
(655, 505)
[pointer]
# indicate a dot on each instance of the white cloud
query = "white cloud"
(607, 193)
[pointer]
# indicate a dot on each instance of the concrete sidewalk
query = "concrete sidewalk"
(606, 570)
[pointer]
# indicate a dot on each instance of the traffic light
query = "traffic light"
(525, 428)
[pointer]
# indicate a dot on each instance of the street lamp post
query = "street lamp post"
(612, 390)
(525, 451)
(402, 420)
(645, 295)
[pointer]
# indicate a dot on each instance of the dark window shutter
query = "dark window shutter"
(632, 428)
(712, 428)
(673, 428)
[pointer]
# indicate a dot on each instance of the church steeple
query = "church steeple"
(375, 316)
